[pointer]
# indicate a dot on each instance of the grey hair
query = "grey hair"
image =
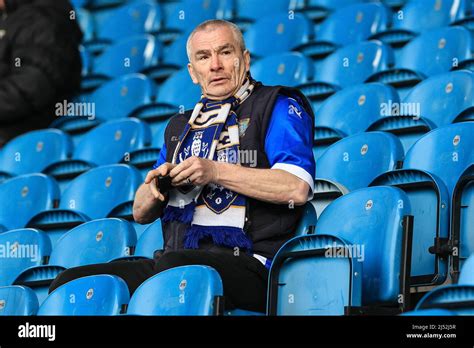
(216, 23)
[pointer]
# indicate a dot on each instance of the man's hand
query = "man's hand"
(151, 179)
(200, 172)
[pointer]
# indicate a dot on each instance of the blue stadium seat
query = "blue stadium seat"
(358, 243)
(430, 172)
(96, 241)
(458, 299)
(22, 248)
(144, 159)
(347, 66)
(317, 10)
(419, 16)
(352, 163)
(433, 52)
(248, 11)
(445, 152)
(303, 281)
(17, 300)
(177, 94)
(440, 100)
(113, 100)
(181, 16)
(137, 17)
(282, 33)
(351, 111)
(467, 272)
(289, 69)
(186, 290)
(131, 55)
(347, 25)
(174, 58)
(462, 215)
(100, 192)
(93, 295)
(118, 138)
(33, 151)
(98, 5)
(308, 220)
(150, 240)
(27, 195)
(86, 59)
(429, 265)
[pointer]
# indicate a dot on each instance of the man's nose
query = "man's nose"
(216, 63)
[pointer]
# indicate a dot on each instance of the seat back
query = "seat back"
(150, 240)
(93, 295)
(187, 14)
(252, 10)
(370, 220)
(130, 55)
(180, 91)
(22, 248)
(436, 51)
(306, 279)
(467, 272)
(290, 69)
(27, 195)
(353, 109)
(98, 191)
(356, 160)
(33, 151)
(354, 63)
(458, 299)
(96, 241)
(282, 33)
(442, 98)
(445, 152)
(186, 290)
(119, 97)
(354, 23)
(137, 17)
(429, 14)
(118, 138)
(17, 300)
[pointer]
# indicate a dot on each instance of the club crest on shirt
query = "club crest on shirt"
(243, 125)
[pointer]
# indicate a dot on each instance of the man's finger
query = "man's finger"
(182, 176)
(154, 189)
(180, 167)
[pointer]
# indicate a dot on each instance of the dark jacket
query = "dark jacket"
(268, 225)
(40, 63)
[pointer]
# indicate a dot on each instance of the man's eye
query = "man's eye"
(202, 57)
(226, 52)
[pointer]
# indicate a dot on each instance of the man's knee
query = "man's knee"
(63, 278)
(172, 259)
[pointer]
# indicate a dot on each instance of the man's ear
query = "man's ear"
(191, 73)
(247, 60)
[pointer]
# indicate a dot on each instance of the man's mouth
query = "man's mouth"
(218, 79)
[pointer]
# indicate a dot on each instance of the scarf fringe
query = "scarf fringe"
(221, 235)
(184, 215)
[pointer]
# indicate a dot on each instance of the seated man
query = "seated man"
(241, 165)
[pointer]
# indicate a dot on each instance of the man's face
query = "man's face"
(217, 63)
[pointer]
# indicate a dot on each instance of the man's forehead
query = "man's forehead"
(213, 39)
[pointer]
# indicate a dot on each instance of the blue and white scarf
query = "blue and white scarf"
(212, 211)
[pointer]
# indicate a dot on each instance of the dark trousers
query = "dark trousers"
(244, 277)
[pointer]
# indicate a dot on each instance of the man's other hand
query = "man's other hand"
(151, 178)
